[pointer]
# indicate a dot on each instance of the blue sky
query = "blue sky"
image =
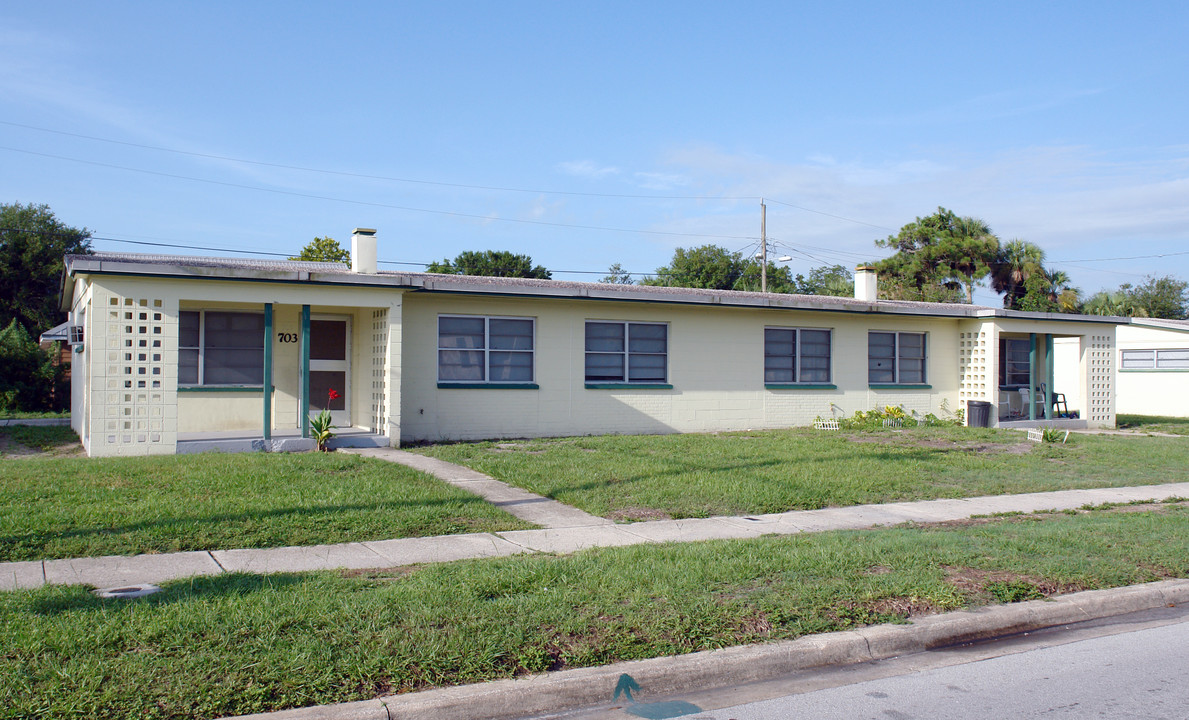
(586, 134)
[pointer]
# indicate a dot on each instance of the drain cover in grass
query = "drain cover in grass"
(127, 592)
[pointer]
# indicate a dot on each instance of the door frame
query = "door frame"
(340, 418)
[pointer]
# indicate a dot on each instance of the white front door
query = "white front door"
(330, 368)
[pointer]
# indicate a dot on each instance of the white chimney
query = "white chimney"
(363, 251)
(866, 284)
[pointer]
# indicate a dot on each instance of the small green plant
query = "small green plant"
(1052, 435)
(320, 425)
(889, 415)
(1010, 591)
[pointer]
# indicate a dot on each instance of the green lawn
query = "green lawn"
(235, 644)
(636, 476)
(73, 507)
(1153, 423)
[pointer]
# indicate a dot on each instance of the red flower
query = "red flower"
(332, 395)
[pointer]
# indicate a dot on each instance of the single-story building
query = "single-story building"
(169, 350)
(1153, 367)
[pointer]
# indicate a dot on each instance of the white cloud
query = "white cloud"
(587, 169)
(1074, 202)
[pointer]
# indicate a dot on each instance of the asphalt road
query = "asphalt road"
(1138, 674)
(1127, 666)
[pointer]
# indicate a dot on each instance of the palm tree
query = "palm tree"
(1117, 304)
(1016, 262)
(975, 250)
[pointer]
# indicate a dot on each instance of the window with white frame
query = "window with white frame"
(217, 347)
(796, 355)
(1015, 364)
(1170, 359)
(896, 358)
(479, 349)
(626, 352)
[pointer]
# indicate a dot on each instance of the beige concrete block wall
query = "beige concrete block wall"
(715, 367)
(131, 394)
(1152, 392)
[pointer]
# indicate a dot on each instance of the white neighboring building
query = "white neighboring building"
(1153, 367)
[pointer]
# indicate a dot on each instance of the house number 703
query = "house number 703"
(287, 337)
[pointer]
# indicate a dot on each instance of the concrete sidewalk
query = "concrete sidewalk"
(112, 571)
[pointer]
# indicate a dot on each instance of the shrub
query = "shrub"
(29, 379)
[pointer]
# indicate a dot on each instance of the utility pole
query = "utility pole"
(764, 245)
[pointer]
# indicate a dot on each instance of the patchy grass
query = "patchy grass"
(1153, 423)
(22, 415)
(27, 440)
(235, 644)
(73, 507)
(638, 476)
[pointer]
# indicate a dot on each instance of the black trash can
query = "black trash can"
(978, 413)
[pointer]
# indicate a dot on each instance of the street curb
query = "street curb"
(593, 687)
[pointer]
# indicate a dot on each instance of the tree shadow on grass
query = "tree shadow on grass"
(57, 599)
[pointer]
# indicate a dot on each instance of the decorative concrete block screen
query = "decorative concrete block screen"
(1101, 375)
(379, 378)
(973, 360)
(133, 375)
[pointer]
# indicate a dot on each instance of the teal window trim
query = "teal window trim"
(800, 386)
(488, 386)
(221, 388)
(628, 386)
(893, 386)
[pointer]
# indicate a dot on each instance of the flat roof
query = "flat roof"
(296, 271)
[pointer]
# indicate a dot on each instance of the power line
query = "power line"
(836, 217)
(365, 176)
(310, 196)
(1133, 257)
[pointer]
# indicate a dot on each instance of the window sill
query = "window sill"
(628, 386)
(898, 386)
(488, 386)
(1153, 370)
(800, 386)
(220, 388)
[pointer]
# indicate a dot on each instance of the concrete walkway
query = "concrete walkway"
(120, 570)
(521, 503)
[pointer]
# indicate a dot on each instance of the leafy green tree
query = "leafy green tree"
(324, 249)
(490, 263)
(780, 278)
(836, 280)
(1160, 297)
(1038, 294)
(1157, 297)
(939, 258)
(713, 267)
(32, 244)
(617, 276)
(709, 266)
(29, 379)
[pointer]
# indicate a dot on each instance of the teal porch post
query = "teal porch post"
(305, 371)
(1032, 376)
(1048, 398)
(267, 370)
